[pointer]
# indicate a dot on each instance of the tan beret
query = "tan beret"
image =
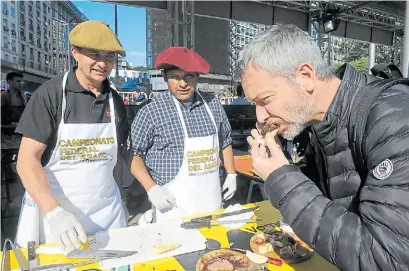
(95, 35)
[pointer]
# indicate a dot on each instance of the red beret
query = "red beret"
(182, 58)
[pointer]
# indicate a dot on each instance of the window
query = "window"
(14, 59)
(13, 29)
(30, 24)
(30, 37)
(44, 7)
(38, 15)
(13, 46)
(13, 11)
(4, 7)
(22, 33)
(39, 56)
(22, 19)
(5, 42)
(6, 57)
(31, 53)
(30, 10)
(23, 49)
(22, 5)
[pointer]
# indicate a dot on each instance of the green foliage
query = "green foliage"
(361, 64)
(140, 68)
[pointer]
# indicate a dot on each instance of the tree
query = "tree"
(140, 68)
(361, 64)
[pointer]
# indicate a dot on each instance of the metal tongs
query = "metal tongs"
(21, 260)
(206, 221)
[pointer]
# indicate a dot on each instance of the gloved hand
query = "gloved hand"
(231, 185)
(161, 198)
(66, 229)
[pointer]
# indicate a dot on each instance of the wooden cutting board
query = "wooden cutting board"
(143, 238)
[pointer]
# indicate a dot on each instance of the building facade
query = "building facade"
(158, 35)
(35, 36)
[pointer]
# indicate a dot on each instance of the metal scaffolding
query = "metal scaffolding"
(182, 20)
(234, 54)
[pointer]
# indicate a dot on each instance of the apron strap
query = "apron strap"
(182, 120)
(208, 111)
(64, 100)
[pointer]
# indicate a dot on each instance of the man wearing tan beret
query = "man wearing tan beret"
(73, 129)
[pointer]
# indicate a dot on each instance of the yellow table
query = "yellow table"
(266, 212)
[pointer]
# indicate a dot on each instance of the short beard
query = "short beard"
(301, 113)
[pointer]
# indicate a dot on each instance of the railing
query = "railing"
(226, 100)
(129, 97)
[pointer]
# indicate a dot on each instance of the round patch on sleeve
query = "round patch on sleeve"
(383, 170)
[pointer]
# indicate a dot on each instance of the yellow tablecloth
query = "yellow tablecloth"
(266, 213)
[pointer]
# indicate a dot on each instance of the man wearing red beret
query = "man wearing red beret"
(176, 142)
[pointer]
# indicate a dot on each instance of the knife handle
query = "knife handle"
(195, 225)
(201, 219)
(31, 250)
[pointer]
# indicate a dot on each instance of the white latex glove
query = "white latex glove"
(66, 229)
(161, 198)
(231, 185)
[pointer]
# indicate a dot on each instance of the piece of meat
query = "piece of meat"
(220, 265)
(269, 126)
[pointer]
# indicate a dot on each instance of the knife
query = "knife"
(32, 256)
(212, 217)
(102, 254)
(208, 224)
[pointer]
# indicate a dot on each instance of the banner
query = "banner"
(131, 79)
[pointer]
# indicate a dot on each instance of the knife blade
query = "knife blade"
(238, 212)
(90, 254)
(32, 256)
(208, 224)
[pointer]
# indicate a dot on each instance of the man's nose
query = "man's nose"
(261, 114)
(182, 83)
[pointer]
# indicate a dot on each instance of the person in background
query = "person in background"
(139, 80)
(73, 129)
(14, 96)
(145, 79)
(241, 98)
(138, 96)
(176, 141)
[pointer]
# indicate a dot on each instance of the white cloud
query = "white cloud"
(136, 54)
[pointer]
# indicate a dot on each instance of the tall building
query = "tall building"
(241, 33)
(158, 35)
(35, 36)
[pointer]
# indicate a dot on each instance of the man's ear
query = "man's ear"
(164, 76)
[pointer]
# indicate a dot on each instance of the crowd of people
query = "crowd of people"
(353, 210)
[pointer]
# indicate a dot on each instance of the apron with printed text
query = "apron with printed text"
(80, 176)
(196, 187)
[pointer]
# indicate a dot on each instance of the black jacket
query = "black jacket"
(353, 228)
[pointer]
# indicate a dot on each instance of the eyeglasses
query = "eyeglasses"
(186, 77)
(97, 56)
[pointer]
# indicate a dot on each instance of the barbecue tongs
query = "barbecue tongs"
(206, 221)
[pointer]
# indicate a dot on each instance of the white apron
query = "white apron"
(196, 187)
(80, 176)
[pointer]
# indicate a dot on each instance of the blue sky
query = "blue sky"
(131, 26)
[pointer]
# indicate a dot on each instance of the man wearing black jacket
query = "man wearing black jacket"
(356, 221)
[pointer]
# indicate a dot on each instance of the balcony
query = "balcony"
(13, 32)
(31, 27)
(5, 29)
(23, 23)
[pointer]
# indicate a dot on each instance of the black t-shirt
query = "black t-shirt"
(42, 115)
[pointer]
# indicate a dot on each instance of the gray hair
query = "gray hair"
(280, 50)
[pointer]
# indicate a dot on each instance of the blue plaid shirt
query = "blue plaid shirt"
(157, 134)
